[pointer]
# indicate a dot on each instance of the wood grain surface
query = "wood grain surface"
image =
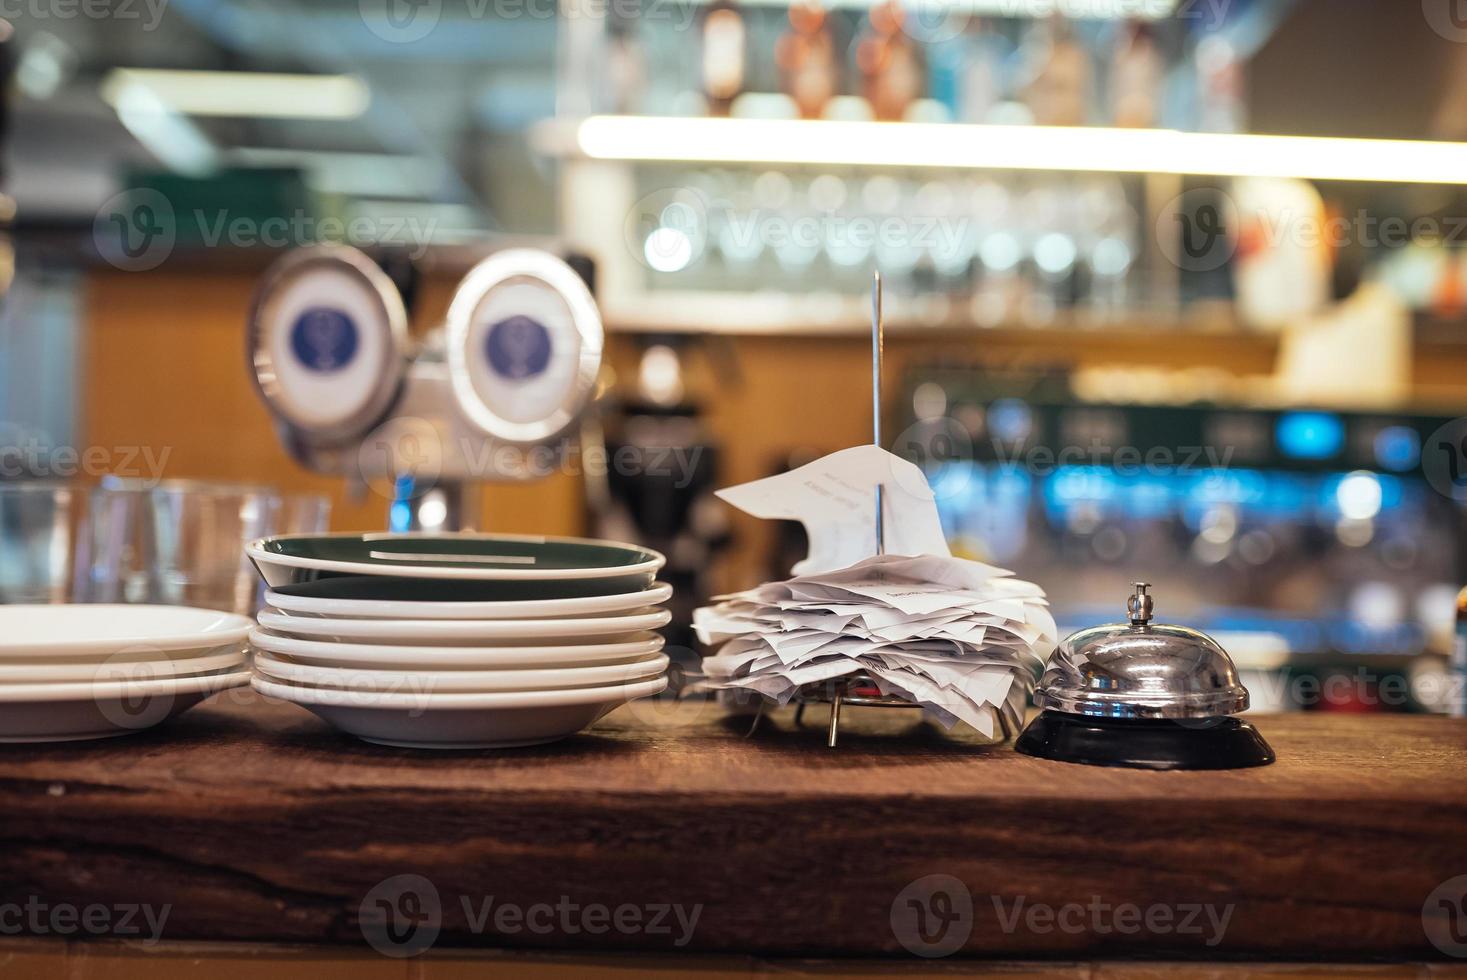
(24, 959)
(253, 821)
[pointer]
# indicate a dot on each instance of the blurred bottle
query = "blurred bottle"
(1059, 74)
(998, 287)
(1136, 76)
(8, 63)
(724, 40)
(1278, 278)
(626, 70)
(889, 63)
(1457, 701)
(805, 55)
(1220, 83)
(1449, 291)
(1048, 232)
(968, 73)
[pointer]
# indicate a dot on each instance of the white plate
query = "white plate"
(434, 682)
(299, 557)
(72, 712)
(108, 689)
(434, 632)
(103, 630)
(119, 670)
(461, 721)
(384, 656)
(522, 609)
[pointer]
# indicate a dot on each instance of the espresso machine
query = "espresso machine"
(493, 394)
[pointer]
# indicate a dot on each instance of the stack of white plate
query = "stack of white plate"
(71, 672)
(458, 641)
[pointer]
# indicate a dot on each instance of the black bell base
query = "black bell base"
(1132, 743)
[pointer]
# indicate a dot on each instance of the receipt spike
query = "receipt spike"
(877, 352)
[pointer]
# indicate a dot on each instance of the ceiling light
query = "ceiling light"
(979, 147)
(262, 95)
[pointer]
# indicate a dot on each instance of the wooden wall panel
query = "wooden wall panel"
(163, 366)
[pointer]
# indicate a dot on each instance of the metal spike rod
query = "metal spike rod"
(877, 352)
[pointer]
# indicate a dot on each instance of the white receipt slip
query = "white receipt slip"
(963, 640)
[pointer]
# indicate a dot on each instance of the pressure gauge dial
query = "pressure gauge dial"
(328, 342)
(524, 345)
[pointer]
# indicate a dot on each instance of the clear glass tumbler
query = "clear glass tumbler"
(38, 524)
(181, 542)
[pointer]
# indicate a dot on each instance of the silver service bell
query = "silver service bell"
(1143, 695)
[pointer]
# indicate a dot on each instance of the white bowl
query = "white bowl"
(454, 681)
(506, 609)
(85, 630)
(73, 712)
(461, 721)
(233, 656)
(436, 632)
(384, 656)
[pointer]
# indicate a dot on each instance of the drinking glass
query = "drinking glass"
(37, 527)
(181, 542)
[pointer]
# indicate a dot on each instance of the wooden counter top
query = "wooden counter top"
(255, 822)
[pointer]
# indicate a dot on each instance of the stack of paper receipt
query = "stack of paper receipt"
(962, 639)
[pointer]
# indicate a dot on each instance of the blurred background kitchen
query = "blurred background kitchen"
(1150, 345)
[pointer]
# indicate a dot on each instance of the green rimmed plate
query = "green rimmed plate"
(295, 558)
(387, 595)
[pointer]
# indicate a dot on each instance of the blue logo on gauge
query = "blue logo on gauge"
(324, 339)
(518, 348)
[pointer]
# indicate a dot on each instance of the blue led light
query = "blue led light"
(1331, 501)
(1260, 495)
(400, 514)
(1008, 483)
(1311, 435)
(1011, 419)
(1398, 448)
(1150, 496)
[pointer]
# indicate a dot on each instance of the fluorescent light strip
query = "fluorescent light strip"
(174, 140)
(263, 95)
(967, 147)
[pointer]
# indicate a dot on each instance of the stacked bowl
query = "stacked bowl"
(458, 641)
(72, 672)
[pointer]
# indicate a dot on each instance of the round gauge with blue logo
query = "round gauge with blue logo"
(518, 348)
(324, 339)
